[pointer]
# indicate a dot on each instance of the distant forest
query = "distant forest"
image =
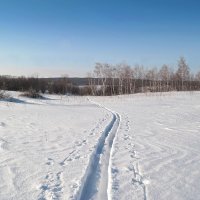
(109, 79)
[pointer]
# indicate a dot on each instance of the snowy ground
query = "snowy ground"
(127, 147)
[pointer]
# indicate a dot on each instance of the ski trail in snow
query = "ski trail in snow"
(97, 182)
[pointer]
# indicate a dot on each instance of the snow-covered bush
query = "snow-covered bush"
(31, 93)
(4, 95)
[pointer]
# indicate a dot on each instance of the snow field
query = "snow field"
(45, 146)
(135, 147)
(156, 152)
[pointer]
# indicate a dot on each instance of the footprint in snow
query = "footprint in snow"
(2, 124)
(50, 161)
(76, 157)
(126, 137)
(80, 143)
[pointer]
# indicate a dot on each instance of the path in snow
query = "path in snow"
(97, 181)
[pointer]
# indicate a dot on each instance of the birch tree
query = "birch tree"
(165, 76)
(183, 71)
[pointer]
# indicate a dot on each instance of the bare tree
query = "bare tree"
(98, 72)
(120, 78)
(197, 78)
(152, 77)
(91, 83)
(114, 77)
(183, 71)
(140, 75)
(127, 74)
(165, 76)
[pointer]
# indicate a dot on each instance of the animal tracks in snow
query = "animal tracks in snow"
(50, 161)
(3, 144)
(2, 125)
(52, 187)
(126, 175)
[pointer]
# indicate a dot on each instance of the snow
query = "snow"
(140, 147)
(45, 146)
(156, 152)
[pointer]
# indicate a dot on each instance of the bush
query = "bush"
(4, 95)
(32, 94)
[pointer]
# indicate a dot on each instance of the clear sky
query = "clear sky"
(56, 37)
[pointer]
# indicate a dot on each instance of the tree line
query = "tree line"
(107, 79)
(119, 79)
(40, 85)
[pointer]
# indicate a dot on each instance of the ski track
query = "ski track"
(97, 181)
(52, 186)
(100, 179)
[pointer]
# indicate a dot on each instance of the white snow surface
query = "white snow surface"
(131, 147)
(157, 149)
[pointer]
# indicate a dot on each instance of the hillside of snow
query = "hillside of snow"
(135, 147)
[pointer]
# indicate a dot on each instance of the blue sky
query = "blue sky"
(56, 37)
